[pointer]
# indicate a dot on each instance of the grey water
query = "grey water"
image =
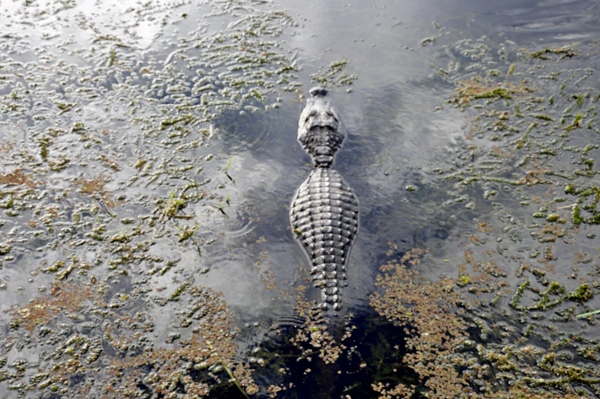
(150, 146)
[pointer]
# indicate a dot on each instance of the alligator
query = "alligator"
(324, 212)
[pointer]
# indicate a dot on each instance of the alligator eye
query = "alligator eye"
(310, 115)
(331, 114)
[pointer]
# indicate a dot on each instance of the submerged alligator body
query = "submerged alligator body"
(324, 212)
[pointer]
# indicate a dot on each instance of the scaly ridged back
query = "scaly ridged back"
(325, 217)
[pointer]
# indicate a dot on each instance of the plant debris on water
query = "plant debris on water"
(101, 172)
(112, 211)
(527, 291)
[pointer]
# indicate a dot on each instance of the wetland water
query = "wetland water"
(148, 159)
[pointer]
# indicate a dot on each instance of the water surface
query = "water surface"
(149, 158)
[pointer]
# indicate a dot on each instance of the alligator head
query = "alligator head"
(319, 128)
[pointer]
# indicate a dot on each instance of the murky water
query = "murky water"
(149, 158)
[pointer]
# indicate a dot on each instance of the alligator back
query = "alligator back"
(325, 218)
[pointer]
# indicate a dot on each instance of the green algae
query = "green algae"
(582, 294)
(566, 51)
(546, 161)
(576, 122)
(518, 293)
(121, 340)
(158, 164)
(584, 204)
(333, 75)
(148, 120)
(498, 92)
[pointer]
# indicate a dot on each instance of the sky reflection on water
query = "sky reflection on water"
(119, 122)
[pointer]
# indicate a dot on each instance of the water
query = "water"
(149, 158)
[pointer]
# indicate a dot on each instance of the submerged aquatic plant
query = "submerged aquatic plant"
(334, 74)
(183, 369)
(137, 365)
(449, 361)
(481, 88)
(428, 310)
(17, 178)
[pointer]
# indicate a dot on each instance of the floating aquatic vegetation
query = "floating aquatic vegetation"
(95, 188)
(184, 369)
(314, 331)
(333, 74)
(98, 106)
(65, 298)
(105, 171)
(78, 331)
(303, 346)
(566, 51)
(481, 88)
(525, 162)
(435, 327)
(17, 178)
(439, 320)
(530, 125)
